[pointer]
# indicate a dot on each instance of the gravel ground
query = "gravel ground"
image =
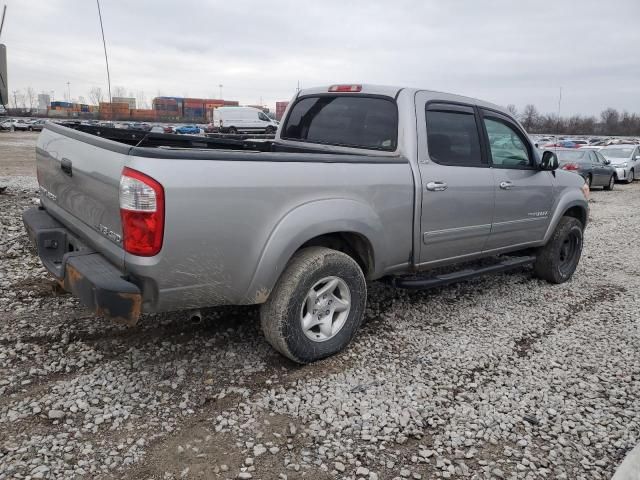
(502, 377)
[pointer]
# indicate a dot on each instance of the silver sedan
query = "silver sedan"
(625, 159)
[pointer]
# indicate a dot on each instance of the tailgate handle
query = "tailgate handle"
(65, 165)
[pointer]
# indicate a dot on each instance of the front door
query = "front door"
(524, 194)
(457, 183)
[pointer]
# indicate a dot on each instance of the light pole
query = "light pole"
(69, 91)
(220, 86)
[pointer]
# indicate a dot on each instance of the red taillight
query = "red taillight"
(570, 166)
(142, 213)
(345, 88)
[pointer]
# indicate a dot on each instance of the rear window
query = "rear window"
(570, 155)
(361, 122)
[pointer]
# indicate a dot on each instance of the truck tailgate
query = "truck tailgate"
(79, 177)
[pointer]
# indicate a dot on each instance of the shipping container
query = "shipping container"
(280, 109)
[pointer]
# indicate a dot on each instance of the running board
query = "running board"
(417, 283)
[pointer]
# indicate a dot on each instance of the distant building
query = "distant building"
(44, 100)
(129, 100)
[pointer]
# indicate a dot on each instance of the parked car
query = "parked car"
(625, 159)
(157, 129)
(15, 124)
(169, 129)
(361, 183)
(140, 126)
(36, 125)
(243, 119)
(187, 129)
(590, 164)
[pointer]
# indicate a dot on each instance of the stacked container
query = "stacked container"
(280, 109)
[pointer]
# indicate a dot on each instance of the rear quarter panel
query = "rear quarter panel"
(231, 226)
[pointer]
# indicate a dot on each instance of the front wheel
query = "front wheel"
(559, 258)
(631, 176)
(588, 180)
(317, 305)
(233, 130)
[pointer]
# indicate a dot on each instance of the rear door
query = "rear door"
(457, 183)
(523, 193)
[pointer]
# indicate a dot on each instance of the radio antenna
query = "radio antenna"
(104, 44)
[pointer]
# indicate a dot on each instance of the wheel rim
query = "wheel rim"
(569, 250)
(325, 309)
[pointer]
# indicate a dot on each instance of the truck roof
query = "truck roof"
(393, 91)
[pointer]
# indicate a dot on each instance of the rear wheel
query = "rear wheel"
(233, 130)
(317, 305)
(631, 176)
(611, 184)
(559, 258)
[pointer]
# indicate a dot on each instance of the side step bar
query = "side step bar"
(420, 283)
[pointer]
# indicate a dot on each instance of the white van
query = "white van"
(242, 119)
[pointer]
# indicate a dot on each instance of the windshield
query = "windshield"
(362, 122)
(616, 152)
(570, 155)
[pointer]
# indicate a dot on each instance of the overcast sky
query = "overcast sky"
(502, 51)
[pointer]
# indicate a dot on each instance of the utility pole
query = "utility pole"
(298, 87)
(69, 91)
(15, 99)
(559, 104)
(220, 86)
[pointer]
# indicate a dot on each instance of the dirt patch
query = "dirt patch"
(18, 153)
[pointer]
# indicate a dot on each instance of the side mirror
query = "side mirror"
(608, 162)
(549, 161)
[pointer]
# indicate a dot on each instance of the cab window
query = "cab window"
(452, 138)
(507, 148)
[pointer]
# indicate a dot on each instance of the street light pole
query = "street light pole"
(220, 90)
(69, 90)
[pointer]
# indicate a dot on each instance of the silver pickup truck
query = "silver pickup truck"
(361, 183)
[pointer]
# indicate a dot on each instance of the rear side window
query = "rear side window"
(350, 121)
(452, 138)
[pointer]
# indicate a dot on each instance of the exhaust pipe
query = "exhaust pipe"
(195, 316)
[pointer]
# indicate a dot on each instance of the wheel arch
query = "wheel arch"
(346, 225)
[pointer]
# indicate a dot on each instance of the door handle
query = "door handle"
(436, 186)
(506, 185)
(65, 165)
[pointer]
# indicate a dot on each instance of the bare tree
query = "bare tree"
(119, 91)
(141, 100)
(530, 117)
(81, 99)
(31, 97)
(95, 95)
(511, 108)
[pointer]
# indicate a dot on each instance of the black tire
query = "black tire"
(282, 313)
(233, 130)
(558, 259)
(611, 184)
(588, 180)
(631, 176)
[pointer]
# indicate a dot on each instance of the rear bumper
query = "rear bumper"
(97, 283)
